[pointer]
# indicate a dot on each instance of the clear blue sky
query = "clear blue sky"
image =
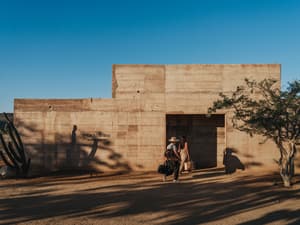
(65, 49)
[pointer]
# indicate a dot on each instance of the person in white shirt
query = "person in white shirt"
(172, 155)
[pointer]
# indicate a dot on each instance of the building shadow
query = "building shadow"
(110, 200)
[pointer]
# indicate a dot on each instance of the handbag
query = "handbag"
(188, 166)
(166, 168)
(161, 169)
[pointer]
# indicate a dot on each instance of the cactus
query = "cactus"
(13, 152)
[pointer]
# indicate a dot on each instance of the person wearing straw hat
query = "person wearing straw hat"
(172, 155)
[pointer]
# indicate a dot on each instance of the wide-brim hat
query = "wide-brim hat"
(173, 139)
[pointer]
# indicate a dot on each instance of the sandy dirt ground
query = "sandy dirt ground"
(201, 197)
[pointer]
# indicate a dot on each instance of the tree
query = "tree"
(262, 108)
(12, 150)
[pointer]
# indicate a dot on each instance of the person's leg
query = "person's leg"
(176, 170)
(164, 178)
(183, 157)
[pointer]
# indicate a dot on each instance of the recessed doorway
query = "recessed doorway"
(206, 136)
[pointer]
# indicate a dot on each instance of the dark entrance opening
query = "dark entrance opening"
(202, 133)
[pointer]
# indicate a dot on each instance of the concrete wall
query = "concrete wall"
(191, 89)
(133, 122)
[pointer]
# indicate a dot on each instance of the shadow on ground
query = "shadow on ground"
(202, 197)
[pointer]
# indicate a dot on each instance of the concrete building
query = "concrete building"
(149, 104)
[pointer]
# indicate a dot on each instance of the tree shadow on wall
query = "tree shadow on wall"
(101, 142)
(231, 161)
(74, 152)
(84, 154)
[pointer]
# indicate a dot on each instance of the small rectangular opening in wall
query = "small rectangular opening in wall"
(206, 136)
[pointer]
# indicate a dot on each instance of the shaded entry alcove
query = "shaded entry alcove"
(206, 136)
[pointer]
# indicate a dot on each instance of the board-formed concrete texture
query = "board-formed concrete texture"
(150, 104)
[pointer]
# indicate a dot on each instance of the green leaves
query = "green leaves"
(261, 108)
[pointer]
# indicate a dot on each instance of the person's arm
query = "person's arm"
(186, 148)
(175, 152)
